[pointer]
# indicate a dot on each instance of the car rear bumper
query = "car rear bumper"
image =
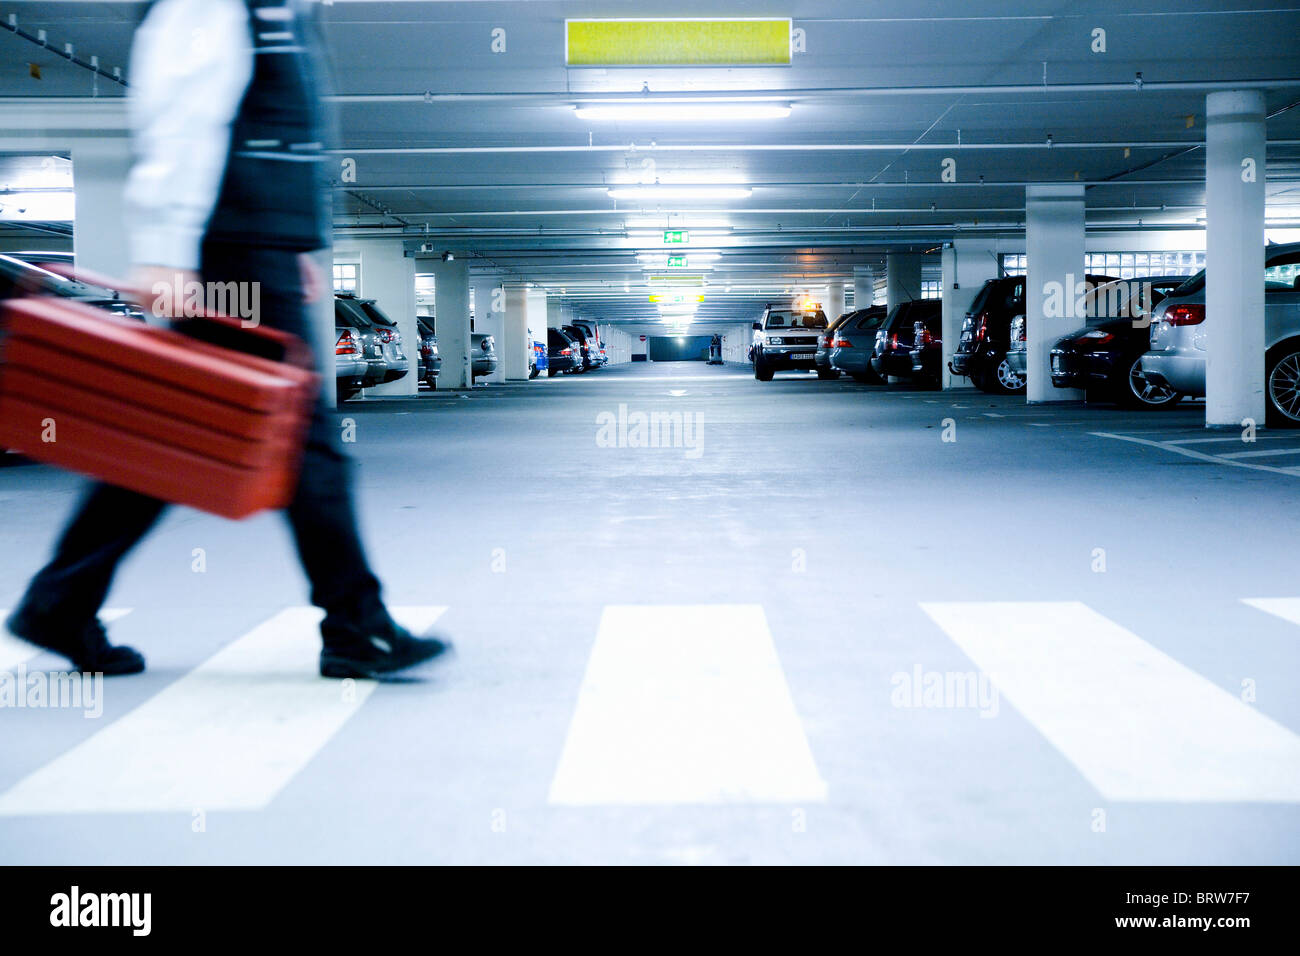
(1182, 372)
(484, 366)
(785, 358)
(852, 361)
(1082, 369)
(895, 363)
(960, 363)
(1018, 361)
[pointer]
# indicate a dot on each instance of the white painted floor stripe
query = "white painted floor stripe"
(14, 652)
(685, 705)
(1265, 453)
(1136, 723)
(227, 736)
(1190, 453)
(1288, 609)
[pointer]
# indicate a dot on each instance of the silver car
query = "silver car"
(1178, 339)
(483, 350)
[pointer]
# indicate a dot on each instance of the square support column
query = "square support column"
(834, 305)
(1054, 249)
(99, 228)
(864, 288)
(902, 278)
(518, 344)
(490, 318)
(1235, 135)
(451, 321)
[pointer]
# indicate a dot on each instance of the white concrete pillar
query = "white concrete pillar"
(388, 276)
(966, 265)
(490, 318)
(1235, 134)
(864, 288)
(1054, 249)
(451, 321)
(902, 278)
(99, 168)
(555, 317)
(834, 306)
(517, 344)
(325, 338)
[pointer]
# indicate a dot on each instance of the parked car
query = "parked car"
(538, 361)
(853, 342)
(981, 352)
(909, 326)
(562, 353)
(394, 356)
(591, 335)
(483, 354)
(430, 363)
(1178, 339)
(19, 275)
(588, 347)
(786, 339)
(358, 353)
(823, 356)
(1105, 356)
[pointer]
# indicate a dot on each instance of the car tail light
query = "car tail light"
(1097, 337)
(1185, 314)
(893, 341)
(922, 336)
(347, 343)
(386, 335)
(981, 326)
(1018, 329)
(842, 344)
(566, 351)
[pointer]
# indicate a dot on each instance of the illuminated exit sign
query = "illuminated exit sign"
(676, 262)
(676, 237)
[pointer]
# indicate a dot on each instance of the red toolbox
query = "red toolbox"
(169, 415)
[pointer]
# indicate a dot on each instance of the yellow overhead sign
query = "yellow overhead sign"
(739, 42)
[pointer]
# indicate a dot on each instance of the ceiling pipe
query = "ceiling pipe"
(832, 211)
(568, 97)
(772, 148)
(790, 184)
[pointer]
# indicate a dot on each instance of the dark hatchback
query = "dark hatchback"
(909, 327)
(824, 345)
(1105, 357)
(562, 353)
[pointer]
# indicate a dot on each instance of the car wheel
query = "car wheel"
(1282, 386)
(1002, 380)
(1138, 391)
(761, 371)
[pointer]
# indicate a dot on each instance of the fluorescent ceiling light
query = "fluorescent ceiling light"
(681, 111)
(666, 224)
(656, 193)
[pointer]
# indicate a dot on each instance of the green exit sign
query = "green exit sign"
(676, 262)
(676, 237)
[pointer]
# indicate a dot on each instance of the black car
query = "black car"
(20, 277)
(1104, 358)
(430, 361)
(588, 347)
(981, 353)
(563, 354)
(908, 327)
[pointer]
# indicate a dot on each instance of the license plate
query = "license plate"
(803, 355)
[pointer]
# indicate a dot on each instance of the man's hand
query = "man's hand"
(161, 290)
(313, 279)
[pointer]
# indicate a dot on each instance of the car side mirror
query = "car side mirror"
(758, 326)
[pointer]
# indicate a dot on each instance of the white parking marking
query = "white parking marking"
(1262, 453)
(1136, 723)
(1199, 456)
(1288, 609)
(14, 652)
(229, 735)
(685, 705)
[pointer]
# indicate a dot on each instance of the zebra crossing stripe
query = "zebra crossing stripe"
(1136, 723)
(1288, 609)
(14, 652)
(685, 705)
(229, 735)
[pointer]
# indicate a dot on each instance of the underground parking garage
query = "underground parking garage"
(836, 433)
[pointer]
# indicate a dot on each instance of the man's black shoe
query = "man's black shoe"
(381, 652)
(87, 648)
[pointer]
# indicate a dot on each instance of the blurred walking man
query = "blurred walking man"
(227, 186)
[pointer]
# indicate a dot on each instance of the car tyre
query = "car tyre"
(761, 371)
(1136, 391)
(1282, 385)
(1001, 380)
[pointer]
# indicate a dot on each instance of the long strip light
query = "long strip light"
(655, 193)
(681, 111)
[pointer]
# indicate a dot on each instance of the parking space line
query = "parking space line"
(685, 705)
(1136, 723)
(14, 652)
(1199, 456)
(1263, 453)
(229, 735)
(1288, 609)
(1209, 441)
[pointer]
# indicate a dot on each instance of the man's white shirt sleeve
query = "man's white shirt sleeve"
(191, 62)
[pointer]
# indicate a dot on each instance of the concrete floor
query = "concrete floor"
(754, 706)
